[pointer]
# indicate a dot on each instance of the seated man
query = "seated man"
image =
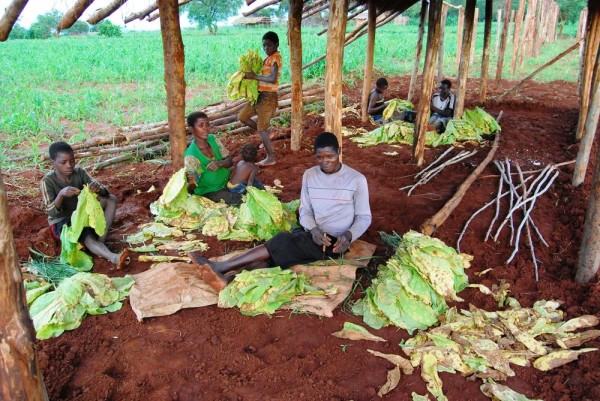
(334, 211)
(442, 106)
(376, 103)
(60, 188)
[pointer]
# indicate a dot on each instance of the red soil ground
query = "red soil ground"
(216, 354)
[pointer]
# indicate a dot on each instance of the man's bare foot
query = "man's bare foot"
(124, 259)
(216, 280)
(266, 162)
(272, 137)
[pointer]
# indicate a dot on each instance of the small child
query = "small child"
(60, 188)
(244, 173)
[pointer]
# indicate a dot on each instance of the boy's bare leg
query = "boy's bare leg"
(266, 140)
(109, 204)
(97, 247)
(250, 123)
(249, 260)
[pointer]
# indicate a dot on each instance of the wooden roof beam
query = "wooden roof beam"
(73, 14)
(13, 11)
(142, 14)
(308, 7)
(102, 13)
(351, 16)
(260, 7)
(154, 16)
(315, 10)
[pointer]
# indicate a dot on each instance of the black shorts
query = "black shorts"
(297, 247)
(56, 229)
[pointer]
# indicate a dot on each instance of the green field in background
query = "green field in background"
(46, 84)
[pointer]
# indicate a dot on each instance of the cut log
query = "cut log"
(463, 70)
(487, 38)
(507, 8)
(11, 15)
(295, 42)
(368, 73)
(413, 76)
(174, 77)
(433, 223)
(548, 64)
(102, 13)
(20, 373)
(433, 37)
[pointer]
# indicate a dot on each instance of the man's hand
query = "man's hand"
(319, 237)
(343, 242)
(68, 192)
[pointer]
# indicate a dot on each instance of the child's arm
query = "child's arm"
(94, 185)
(53, 200)
(252, 175)
(271, 78)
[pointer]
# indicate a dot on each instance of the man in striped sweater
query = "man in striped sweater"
(334, 212)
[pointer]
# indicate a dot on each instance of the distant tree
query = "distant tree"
(107, 28)
(18, 32)
(206, 13)
(570, 9)
(78, 28)
(45, 25)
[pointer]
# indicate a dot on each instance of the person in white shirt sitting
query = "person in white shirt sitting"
(334, 212)
(442, 106)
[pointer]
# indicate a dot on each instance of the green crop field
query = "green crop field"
(72, 87)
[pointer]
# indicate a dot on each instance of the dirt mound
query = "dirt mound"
(214, 354)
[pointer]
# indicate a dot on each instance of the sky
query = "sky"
(37, 7)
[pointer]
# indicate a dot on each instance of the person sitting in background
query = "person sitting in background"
(207, 163)
(442, 106)
(334, 212)
(376, 103)
(244, 173)
(60, 188)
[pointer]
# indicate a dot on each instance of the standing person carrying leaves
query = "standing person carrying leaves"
(266, 105)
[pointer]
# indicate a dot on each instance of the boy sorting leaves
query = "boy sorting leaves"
(60, 188)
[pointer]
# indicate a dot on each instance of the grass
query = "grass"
(71, 87)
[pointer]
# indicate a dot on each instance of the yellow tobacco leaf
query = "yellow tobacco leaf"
(559, 358)
(397, 360)
(393, 378)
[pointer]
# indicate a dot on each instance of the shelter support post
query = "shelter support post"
(19, 370)
(580, 34)
(433, 38)
(333, 67)
(413, 76)
(440, 71)
(463, 70)
(517, 36)
(487, 38)
(592, 42)
(368, 75)
(475, 19)
(459, 35)
(589, 253)
(11, 15)
(505, 26)
(174, 59)
(295, 43)
(73, 14)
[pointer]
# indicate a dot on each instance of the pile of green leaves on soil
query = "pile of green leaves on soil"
(239, 87)
(396, 106)
(47, 269)
(263, 291)
(411, 289)
(89, 213)
(55, 311)
(470, 128)
(259, 217)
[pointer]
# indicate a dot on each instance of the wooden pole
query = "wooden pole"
(592, 42)
(73, 14)
(333, 67)
(582, 23)
(440, 217)
(413, 76)
(368, 75)
(487, 38)
(589, 130)
(440, 71)
(11, 15)
(459, 35)
(532, 50)
(174, 59)
(315, 10)
(498, 29)
(474, 39)
(143, 13)
(295, 45)
(20, 376)
(102, 13)
(589, 252)
(260, 7)
(433, 37)
(517, 36)
(548, 64)
(507, 7)
(580, 35)
(463, 70)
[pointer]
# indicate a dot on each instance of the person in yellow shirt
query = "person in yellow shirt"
(266, 105)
